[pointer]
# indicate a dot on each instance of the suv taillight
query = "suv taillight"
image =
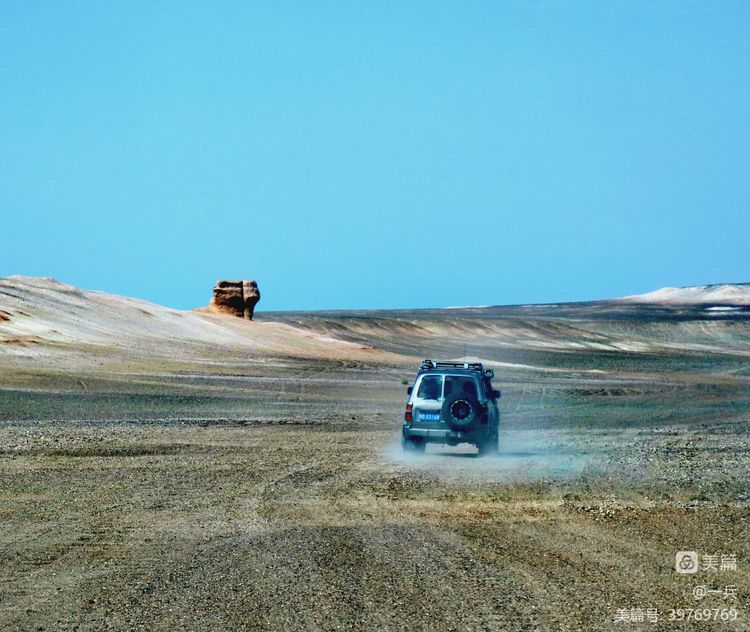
(407, 414)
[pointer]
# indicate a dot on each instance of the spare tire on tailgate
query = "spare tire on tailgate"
(460, 411)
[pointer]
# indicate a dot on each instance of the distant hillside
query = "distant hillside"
(41, 316)
(728, 294)
(49, 326)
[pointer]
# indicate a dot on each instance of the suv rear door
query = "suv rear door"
(428, 398)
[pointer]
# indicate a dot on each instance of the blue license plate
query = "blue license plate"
(429, 416)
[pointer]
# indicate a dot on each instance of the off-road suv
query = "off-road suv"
(451, 403)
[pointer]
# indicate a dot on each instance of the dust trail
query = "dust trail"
(524, 455)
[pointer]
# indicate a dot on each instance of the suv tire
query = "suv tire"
(460, 411)
(413, 445)
(489, 446)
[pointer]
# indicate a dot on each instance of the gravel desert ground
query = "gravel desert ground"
(166, 470)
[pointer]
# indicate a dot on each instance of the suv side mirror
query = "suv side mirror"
(495, 394)
(410, 390)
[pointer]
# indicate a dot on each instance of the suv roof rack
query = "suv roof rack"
(430, 365)
(444, 364)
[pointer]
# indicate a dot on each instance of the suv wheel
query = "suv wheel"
(460, 411)
(491, 445)
(413, 445)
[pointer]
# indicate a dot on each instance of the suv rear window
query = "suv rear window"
(431, 387)
(456, 384)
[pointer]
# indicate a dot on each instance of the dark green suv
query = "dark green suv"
(452, 403)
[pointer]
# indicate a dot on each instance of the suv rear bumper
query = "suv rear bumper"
(439, 435)
(431, 432)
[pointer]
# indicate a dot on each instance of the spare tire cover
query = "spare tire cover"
(460, 411)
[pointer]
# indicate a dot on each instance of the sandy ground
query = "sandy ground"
(249, 476)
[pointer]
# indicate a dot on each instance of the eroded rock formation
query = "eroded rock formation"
(236, 297)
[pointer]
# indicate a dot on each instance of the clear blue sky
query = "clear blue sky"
(376, 154)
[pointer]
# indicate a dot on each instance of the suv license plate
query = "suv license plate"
(429, 416)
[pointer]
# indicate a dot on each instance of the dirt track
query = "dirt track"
(226, 492)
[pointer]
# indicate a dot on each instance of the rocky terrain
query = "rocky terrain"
(238, 298)
(164, 469)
